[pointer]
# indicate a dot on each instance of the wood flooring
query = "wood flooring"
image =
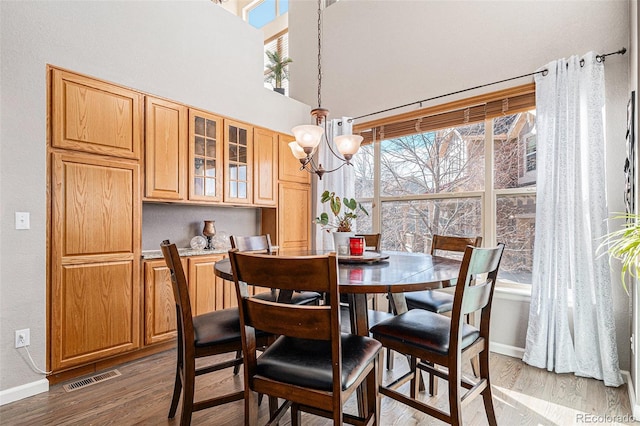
(523, 395)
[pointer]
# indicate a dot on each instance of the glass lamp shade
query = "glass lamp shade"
(308, 136)
(348, 144)
(297, 150)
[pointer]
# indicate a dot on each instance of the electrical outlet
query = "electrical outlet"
(23, 338)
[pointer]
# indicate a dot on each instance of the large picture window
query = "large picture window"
(467, 172)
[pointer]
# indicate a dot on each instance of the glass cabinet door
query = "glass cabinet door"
(238, 163)
(205, 156)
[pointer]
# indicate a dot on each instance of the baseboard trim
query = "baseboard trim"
(23, 391)
(501, 348)
(635, 408)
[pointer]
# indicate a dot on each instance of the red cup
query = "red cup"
(356, 246)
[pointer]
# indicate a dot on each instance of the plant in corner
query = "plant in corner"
(341, 223)
(277, 70)
(624, 244)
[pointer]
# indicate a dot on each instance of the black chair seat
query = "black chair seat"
(307, 363)
(297, 298)
(424, 330)
(218, 328)
(374, 317)
(430, 300)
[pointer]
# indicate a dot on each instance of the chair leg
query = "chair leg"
(433, 382)
(236, 369)
(487, 395)
(189, 377)
(455, 406)
(416, 380)
(250, 407)
(273, 406)
(389, 359)
(177, 389)
(296, 419)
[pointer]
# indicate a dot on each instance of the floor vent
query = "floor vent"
(83, 383)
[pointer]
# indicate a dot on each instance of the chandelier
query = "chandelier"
(309, 136)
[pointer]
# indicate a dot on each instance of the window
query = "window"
(261, 12)
(280, 44)
(466, 172)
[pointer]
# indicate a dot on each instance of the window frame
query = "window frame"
(488, 196)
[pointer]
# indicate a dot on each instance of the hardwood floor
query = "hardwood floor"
(523, 395)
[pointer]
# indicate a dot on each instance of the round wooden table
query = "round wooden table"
(401, 272)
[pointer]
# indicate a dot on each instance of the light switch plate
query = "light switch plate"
(22, 220)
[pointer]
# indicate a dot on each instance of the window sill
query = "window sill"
(513, 291)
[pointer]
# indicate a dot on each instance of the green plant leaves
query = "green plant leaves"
(342, 222)
(624, 244)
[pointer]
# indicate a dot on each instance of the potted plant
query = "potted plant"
(277, 70)
(624, 244)
(342, 220)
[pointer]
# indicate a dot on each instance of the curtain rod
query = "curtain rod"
(599, 58)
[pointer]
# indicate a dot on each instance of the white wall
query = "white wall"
(193, 52)
(380, 54)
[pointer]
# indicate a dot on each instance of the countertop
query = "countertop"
(157, 254)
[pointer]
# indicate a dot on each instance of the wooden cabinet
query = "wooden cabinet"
(238, 161)
(265, 168)
(294, 215)
(95, 258)
(159, 302)
(205, 156)
(165, 150)
(288, 165)
(207, 291)
(89, 115)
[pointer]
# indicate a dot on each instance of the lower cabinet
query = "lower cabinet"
(206, 291)
(159, 304)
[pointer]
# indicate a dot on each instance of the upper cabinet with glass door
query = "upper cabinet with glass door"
(238, 162)
(205, 156)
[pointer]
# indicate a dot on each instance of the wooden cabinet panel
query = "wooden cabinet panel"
(205, 156)
(288, 165)
(294, 215)
(265, 172)
(165, 149)
(238, 161)
(95, 252)
(96, 206)
(159, 302)
(206, 291)
(93, 116)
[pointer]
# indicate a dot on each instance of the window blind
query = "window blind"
(457, 113)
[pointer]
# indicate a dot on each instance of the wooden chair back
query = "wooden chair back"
(448, 243)
(371, 241)
(305, 273)
(252, 243)
(473, 296)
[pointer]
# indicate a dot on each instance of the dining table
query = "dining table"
(393, 273)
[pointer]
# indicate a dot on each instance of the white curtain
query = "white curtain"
(571, 323)
(341, 181)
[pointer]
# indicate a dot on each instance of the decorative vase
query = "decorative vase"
(341, 242)
(279, 90)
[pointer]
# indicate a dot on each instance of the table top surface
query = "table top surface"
(401, 272)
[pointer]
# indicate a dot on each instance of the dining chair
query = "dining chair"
(198, 337)
(438, 301)
(311, 365)
(262, 244)
(372, 242)
(444, 341)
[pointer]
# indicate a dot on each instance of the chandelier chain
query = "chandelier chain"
(319, 54)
